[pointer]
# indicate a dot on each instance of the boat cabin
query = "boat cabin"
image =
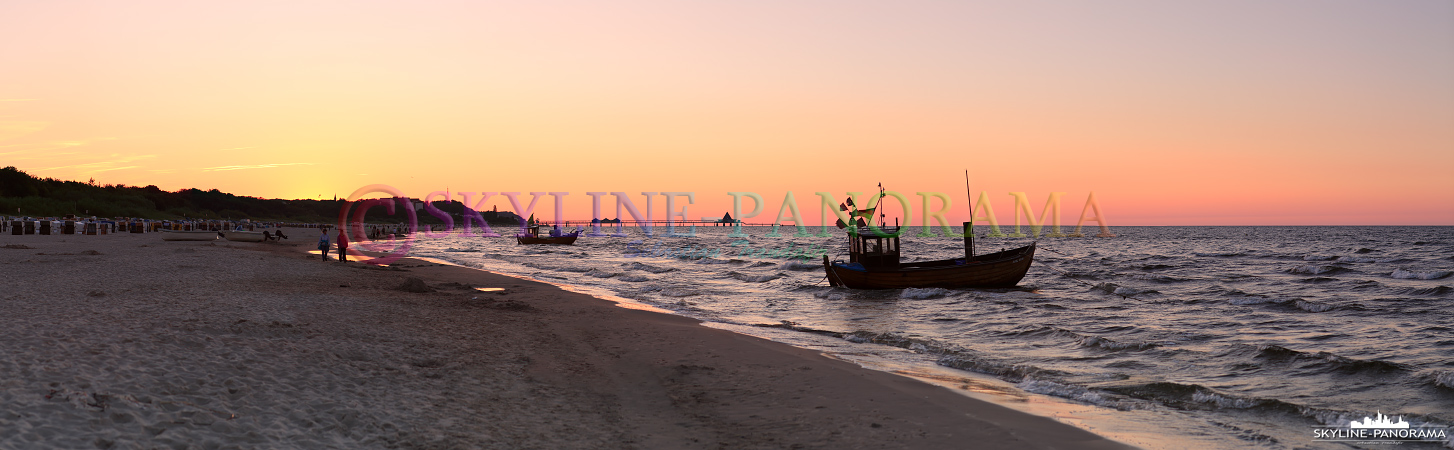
(874, 250)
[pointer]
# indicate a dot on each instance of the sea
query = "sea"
(1161, 337)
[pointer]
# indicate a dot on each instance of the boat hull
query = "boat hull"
(1002, 269)
(243, 236)
(558, 240)
(168, 235)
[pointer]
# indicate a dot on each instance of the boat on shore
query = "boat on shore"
(243, 236)
(176, 235)
(874, 264)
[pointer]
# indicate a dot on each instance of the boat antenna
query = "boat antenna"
(883, 219)
(969, 229)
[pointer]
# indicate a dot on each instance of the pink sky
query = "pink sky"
(1184, 113)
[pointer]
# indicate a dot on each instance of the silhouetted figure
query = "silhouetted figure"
(323, 244)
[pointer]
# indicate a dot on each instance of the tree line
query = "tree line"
(23, 194)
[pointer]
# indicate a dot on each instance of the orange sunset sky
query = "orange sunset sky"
(1173, 113)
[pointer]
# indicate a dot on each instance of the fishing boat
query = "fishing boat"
(243, 236)
(873, 263)
(174, 235)
(532, 236)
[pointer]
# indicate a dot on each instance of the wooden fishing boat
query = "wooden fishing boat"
(874, 264)
(173, 235)
(532, 236)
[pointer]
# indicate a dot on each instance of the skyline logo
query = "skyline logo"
(1381, 422)
(1381, 430)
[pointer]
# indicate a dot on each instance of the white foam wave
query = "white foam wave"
(1443, 378)
(1313, 307)
(799, 265)
(1314, 269)
(1319, 258)
(1077, 393)
(1419, 275)
(830, 295)
(1108, 344)
(923, 293)
(1223, 402)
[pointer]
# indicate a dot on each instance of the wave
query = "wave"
(925, 293)
(800, 266)
(1040, 330)
(1158, 278)
(790, 325)
(1220, 254)
(632, 278)
(677, 292)
(1318, 270)
(648, 268)
(1305, 305)
(1006, 371)
(1436, 290)
(461, 250)
(1108, 344)
(1419, 275)
(1364, 250)
(1441, 378)
(1331, 361)
(1113, 288)
(1195, 396)
(1079, 393)
(1313, 306)
(754, 278)
(1319, 258)
(601, 273)
(830, 295)
(1358, 259)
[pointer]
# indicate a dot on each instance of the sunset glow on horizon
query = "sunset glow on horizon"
(1202, 113)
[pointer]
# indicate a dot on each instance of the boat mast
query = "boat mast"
(969, 226)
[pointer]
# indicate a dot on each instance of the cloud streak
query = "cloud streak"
(253, 166)
(103, 166)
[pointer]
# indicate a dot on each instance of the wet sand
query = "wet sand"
(127, 341)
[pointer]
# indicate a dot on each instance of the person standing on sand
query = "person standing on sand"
(323, 244)
(343, 245)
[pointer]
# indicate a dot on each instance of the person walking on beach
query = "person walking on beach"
(343, 245)
(323, 244)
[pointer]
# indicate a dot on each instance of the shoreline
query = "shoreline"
(285, 342)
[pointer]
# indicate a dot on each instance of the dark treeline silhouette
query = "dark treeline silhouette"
(43, 197)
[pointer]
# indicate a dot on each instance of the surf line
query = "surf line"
(743, 249)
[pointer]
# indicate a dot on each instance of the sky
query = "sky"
(1235, 112)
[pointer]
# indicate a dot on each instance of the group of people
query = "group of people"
(323, 245)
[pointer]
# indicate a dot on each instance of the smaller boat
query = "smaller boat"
(243, 236)
(532, 236)
(172, 235)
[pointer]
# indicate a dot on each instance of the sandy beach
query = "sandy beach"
(127, 341)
